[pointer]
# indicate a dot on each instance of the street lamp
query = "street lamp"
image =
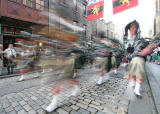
(40, 44)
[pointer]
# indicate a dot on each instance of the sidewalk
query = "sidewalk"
(154, 82)
(139, 106)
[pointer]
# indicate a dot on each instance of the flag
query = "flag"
(121, 5)
(95, 11)
(90, 2)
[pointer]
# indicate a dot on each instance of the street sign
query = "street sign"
(13, 30)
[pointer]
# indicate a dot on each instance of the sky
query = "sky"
(144, 13)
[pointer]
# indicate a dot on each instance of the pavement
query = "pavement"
(154, 82)
(34, 94)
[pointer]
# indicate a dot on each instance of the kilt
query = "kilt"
(103, 64)
(137, 67)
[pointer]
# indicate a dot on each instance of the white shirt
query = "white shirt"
(10, 52)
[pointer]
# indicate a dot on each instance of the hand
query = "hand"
(153, 45)
(148, 49)
(2, 52)
(144, 53)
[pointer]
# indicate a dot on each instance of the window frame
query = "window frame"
(34, 3)
(28, 5)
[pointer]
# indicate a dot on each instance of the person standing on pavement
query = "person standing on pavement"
(137, 49)
(10, 55)
(154, 56)
(158, 54)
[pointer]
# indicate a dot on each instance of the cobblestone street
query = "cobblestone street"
(107, 98)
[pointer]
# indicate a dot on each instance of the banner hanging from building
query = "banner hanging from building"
(95, 11)
(121, 5)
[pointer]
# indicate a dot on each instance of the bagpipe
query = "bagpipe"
(130, 49)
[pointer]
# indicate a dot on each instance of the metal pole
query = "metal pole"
(97, 27)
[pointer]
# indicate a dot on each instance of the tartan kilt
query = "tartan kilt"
(137, 67)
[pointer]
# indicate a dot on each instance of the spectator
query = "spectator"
(10, 55)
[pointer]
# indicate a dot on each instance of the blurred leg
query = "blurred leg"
(139, 81)
(22, 71)
(132, 80)
(53, 105)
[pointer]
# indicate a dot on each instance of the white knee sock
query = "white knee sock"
(137, 89)
(53, 105)
(100, 81)
(115, 71)
(74, 75)
(21, 78)
(132, 83)
(75, 90)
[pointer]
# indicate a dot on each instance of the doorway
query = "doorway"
(6, 41)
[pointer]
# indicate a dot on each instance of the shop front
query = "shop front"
(35, 52)
(10, 35)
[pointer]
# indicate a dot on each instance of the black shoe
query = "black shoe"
(138, 96)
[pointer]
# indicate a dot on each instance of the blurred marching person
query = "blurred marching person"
(75, 70)
(68, 86)
(137, 50)
(106, 66)
(124, 60)
(118, 62)
(10, 55)
(114, 63)
(29, 65)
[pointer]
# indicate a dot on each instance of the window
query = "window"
(28, 3)
(70, 3)
(81, 8)
(75, 2)
(84, 9)
(19, 1)
(40, 4)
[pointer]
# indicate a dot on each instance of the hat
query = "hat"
(129, 25)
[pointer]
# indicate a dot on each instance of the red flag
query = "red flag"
(121, 5)
(95, 11)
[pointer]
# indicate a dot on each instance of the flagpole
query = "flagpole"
(96, 27)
